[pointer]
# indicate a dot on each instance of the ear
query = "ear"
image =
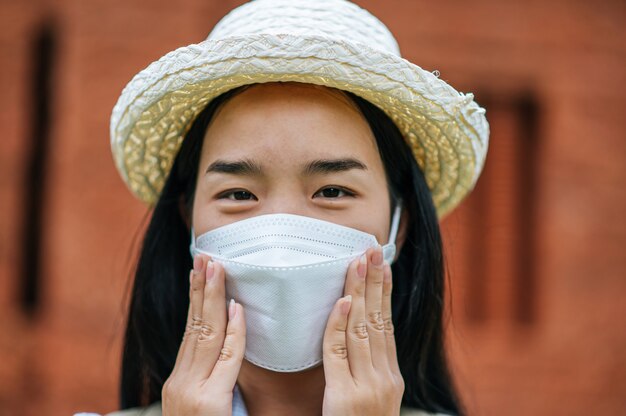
(183, 212)
(403, 228)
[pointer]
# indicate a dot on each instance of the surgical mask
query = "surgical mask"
(287, 271)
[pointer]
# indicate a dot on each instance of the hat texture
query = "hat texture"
(333, 43)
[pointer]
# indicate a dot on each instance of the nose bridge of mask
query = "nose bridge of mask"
(283, 240)
(286, 239)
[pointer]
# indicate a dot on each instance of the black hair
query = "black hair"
(160, 295)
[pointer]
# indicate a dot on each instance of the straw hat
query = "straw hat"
(333, 43)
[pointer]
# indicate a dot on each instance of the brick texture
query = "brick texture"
(536, 263)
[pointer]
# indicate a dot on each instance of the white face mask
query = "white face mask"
(287, 271)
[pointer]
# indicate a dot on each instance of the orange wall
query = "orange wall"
(536, 259)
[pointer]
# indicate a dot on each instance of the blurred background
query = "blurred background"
(536, 258)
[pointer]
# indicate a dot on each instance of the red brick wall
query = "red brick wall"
(536, 258)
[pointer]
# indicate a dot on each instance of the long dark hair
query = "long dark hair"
(160, 295)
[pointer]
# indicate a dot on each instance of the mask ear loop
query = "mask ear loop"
(192, 245)
(395, 223)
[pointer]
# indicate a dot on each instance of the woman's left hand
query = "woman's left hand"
(360, 361)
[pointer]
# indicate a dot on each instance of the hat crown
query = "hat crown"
(339, 20)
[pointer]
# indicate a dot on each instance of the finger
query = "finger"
(226, 369)
(390, 340)
(194, 314)
(373, 309)
(359, 355)
(213, 322)
(335, 349)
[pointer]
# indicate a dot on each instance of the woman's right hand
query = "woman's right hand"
(212, 349)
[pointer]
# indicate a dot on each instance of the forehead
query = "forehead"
(295, 120)
(287, 92)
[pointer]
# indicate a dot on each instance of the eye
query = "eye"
(237, 195)
(333, 192)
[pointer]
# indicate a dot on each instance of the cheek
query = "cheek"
(378, 212)
(202, 218)
(207, 214)
(382, 229)
(197, 220)
(372, 218)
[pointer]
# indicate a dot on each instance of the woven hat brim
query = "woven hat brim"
(446, 130)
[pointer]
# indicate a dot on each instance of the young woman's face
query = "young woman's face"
(291, 148)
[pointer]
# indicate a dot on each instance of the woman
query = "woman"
(307, 164)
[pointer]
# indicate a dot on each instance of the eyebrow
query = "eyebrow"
(237, 167)
(324, 166)
(249, 167)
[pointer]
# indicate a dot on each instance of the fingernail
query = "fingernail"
(197, 263)
(210, 268)
(232, 309)
(361, 268)
(377, 256)
(345, 304)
